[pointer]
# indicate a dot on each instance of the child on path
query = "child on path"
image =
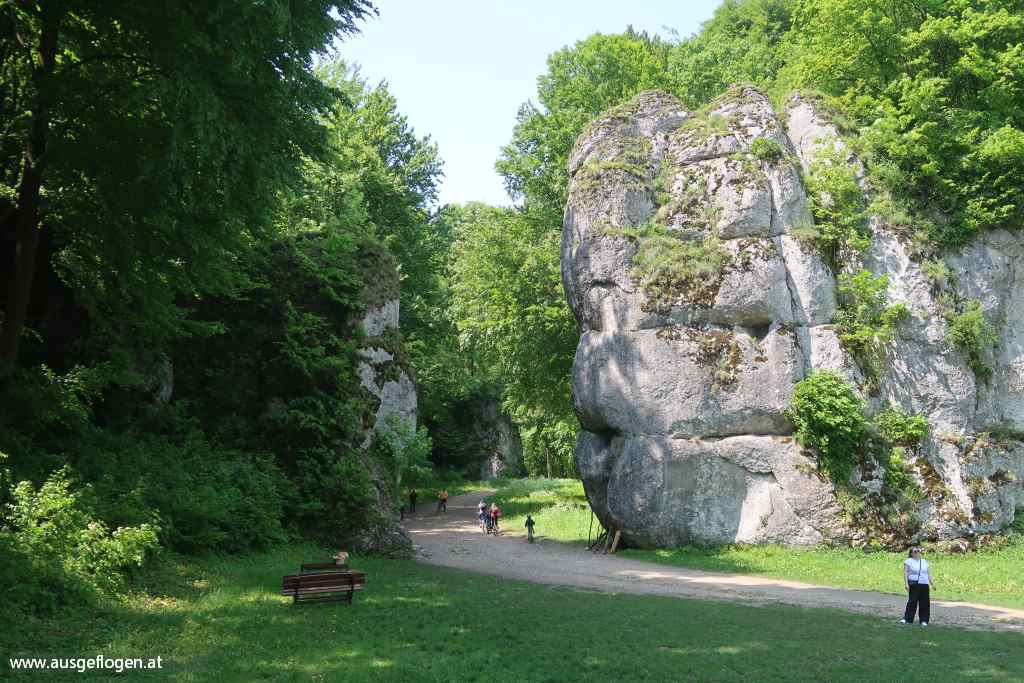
(413, 495)
(442, 501)
(481, 513)
(529, 528)
(495, 514)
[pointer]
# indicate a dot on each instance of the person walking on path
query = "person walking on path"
(918, 579)
(413, 495)
(529, 528)
(481, 513)
(442, 501)
(495, 515)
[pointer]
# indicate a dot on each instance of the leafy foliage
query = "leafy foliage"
(508, 304)
(667, 266)
(56, 552)
(406, 450)
(203, 115)
(581, 82)
(936, 86)
(254, 202)
(828, 417)
(837, 203)
(742, 42)
(766, 149)
(865, 320)
(901, 429)
(970, 332)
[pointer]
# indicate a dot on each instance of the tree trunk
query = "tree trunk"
(26, 217)
(547, 460)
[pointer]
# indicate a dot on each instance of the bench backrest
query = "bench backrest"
(327, 565)
(324, 580)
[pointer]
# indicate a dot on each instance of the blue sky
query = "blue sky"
(460, 68)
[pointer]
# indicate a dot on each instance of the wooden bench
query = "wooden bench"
(323, 586)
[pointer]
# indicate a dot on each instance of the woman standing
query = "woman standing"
(918, 580)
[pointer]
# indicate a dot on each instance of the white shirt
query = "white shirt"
(917, 570)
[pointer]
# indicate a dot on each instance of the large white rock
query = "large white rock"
(682, 393)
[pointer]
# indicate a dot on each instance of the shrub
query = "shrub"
(204, 497)
(970, 332)
(829, 417)
(405, 450)
(766, 149)
(901, 429)
(865, 320)
(58, 552)
(898, 478)
(937, 272)
(837, 204)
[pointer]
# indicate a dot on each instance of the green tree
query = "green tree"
(742, 42)
(508, 303)
(146, 142)
(527, 333)
(936, 86)
(581, 82)
(395, 174)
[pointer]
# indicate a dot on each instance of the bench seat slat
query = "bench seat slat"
(321, 589)
(290, 585)
(328, 581)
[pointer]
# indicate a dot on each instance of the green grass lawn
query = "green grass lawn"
(989, 576)
(993, 577)
(221, 619)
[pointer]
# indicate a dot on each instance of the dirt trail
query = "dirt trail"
(454, 539)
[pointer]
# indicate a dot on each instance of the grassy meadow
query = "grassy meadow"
(222, 619)
(993, 576)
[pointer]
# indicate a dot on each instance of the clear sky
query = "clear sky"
(461, 68)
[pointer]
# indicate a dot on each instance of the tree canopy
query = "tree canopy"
(144, 145)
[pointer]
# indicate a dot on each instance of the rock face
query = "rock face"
(389, 384)
(681, 391)
(380, 372)
(501, 449)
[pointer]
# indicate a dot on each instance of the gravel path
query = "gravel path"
(454, 539)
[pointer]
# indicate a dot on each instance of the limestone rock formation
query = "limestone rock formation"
(380, 371)
(680, 385)
(501, 449)
(477, 438)
(388, 382)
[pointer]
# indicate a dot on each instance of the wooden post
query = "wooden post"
(615, 543)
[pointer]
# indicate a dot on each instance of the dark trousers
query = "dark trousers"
(918, 596)
(412, 505)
